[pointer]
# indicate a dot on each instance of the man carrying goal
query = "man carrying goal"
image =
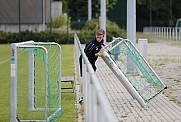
(92, 51)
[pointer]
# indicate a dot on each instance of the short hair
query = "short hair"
(100, 32)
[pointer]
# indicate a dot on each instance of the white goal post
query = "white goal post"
(35, 81)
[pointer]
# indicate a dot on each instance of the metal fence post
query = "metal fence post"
(142, 47)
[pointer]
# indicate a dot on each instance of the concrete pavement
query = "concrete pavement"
(127, 109)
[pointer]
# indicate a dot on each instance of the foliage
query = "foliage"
(113, 30)
(61, 36)
(91, 25)
(85, 35)
(58, 33)
(78, 25)
(78, 11)
(64, 6)
(154, 12)
(44, 36)
(164, 13)
(88, 31)
(60, 21)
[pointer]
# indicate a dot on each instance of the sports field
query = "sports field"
(68, 105)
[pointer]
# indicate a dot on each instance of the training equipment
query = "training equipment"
(132, 70)
(35, 84)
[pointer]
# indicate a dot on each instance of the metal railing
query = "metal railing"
(96, 105)
(165, 33)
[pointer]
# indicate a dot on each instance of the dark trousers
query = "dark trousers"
(93, 66)
(80, 63)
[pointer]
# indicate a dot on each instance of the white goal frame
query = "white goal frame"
(13, 80)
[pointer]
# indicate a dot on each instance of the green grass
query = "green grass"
(68, 103)
(151, 39)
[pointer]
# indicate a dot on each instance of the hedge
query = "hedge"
(60, 34)
(45, 36)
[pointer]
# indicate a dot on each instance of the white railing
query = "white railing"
(165, 33)
(96, 105)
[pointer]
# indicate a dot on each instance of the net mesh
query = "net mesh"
(44, 101)
(135, 68)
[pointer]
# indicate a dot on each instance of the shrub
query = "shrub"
(44, 36)
(113, 30)
(60, 21)
(7, 37)
(88, 31)
(60, 34)
(77, 25)
(91, 25)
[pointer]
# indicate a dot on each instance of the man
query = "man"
(92, 51)
(94, 46)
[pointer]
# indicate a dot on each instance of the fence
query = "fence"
(165, 33)
(96, 105)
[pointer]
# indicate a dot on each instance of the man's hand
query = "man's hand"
(100, 52)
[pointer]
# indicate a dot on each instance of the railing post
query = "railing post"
(167, 33)
(179, 33)
(142, 47)
(170, 34)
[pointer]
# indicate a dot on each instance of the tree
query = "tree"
(78, 11)
(176, 9)
(163, 11)
(78, 8)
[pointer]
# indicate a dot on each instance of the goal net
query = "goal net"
(133, 70)
(35, 84)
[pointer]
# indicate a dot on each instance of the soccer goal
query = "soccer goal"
(133, 70)
(35, 83)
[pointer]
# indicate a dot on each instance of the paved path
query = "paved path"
(127, 109)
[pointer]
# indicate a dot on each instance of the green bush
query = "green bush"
(44, 36)
(113, 30)
(77, 25)
(7, 37)
(59, 22)
(63, 37)
(60, 34)
(88, 31)
(85, 35)
(91, 25)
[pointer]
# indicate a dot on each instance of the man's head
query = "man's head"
(100, 35)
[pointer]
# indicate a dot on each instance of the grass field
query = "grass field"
(68, 103)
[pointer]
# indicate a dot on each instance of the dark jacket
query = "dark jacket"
(91, 48)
